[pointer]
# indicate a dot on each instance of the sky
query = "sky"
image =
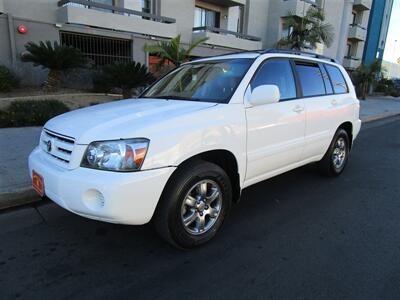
(392, 48)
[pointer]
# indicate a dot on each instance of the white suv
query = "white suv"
(181, 153)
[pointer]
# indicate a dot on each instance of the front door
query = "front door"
(275, 132)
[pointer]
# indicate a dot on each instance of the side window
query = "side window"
(278, 72)
(311, 79)
(338, 81)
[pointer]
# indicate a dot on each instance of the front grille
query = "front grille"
(57, 145)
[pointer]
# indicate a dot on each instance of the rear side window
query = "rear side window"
(311, 79)
(278, 72)
(338, 81)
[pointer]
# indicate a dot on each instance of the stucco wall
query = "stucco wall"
(40, 10)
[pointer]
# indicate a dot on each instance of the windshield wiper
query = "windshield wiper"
(170, 97)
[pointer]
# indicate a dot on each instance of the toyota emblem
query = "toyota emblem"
(48, 145)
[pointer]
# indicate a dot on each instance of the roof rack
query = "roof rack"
(298, 52)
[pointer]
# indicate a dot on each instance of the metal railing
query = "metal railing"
(116, 9)
(100, 50)
(352, 57)
(227, 32)
(357, 25)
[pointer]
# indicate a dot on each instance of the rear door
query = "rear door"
(323, 107)
(275, 132)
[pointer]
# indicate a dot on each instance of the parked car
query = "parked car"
(184, 151)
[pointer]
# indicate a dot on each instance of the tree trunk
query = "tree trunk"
(364, 91)
(53, 81)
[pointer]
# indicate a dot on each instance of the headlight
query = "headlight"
(120, 155)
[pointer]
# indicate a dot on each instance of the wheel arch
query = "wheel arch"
(224, 159)
(348, 127)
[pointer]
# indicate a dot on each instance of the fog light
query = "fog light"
(93, 199)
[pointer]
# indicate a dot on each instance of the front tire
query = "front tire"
(335, 159)
(194, 205)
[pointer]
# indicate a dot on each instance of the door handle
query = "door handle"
(334, 102)
(298, 109)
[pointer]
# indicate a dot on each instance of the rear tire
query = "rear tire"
(335, 159)
(194, 205)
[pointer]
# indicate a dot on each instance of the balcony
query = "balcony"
(297, 7)
(226, 38)
(351, 63)
(362, 5)
(357, 33)
(100, 15)
(226, 3)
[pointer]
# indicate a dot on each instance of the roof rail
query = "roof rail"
(298, 52)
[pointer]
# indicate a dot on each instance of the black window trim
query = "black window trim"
(330, 79)
(298, 91)
(325, 72)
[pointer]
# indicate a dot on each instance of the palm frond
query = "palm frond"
(172, 50)
(308, 31)
(53, 56)
(195, 44)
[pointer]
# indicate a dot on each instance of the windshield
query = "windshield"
(208, 81)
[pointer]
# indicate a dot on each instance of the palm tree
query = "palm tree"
(57, 58)
(172, 50)
(365, 76)
(125, 76)
(306, 32)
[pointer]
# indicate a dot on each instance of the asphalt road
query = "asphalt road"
(297, 236)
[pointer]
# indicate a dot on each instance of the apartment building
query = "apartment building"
(109, 31)
(378, 29)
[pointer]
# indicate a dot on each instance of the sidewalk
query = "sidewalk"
(17, 143)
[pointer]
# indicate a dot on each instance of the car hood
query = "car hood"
(120, 119)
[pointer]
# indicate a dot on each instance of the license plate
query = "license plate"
(38, 183)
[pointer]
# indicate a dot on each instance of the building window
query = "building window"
(354, 18)
(206, 17)
(100, 50)
(240, 27)
(349, 50)
(146, 6)
(286, 29)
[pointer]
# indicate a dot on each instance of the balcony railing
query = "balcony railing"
(226, 3)
(351, 62)
(116, 10)
(357, 32)
(226, 32)
(362, 4)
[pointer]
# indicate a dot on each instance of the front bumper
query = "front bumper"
(125, 198)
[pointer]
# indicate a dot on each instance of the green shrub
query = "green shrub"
(395, 93)
(123, 76)
(8, 80)
(31, 112)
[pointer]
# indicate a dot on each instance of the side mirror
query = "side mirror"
(265, 94)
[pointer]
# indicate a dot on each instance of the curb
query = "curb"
(27, 195)
(18, 197)
(379, 117)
